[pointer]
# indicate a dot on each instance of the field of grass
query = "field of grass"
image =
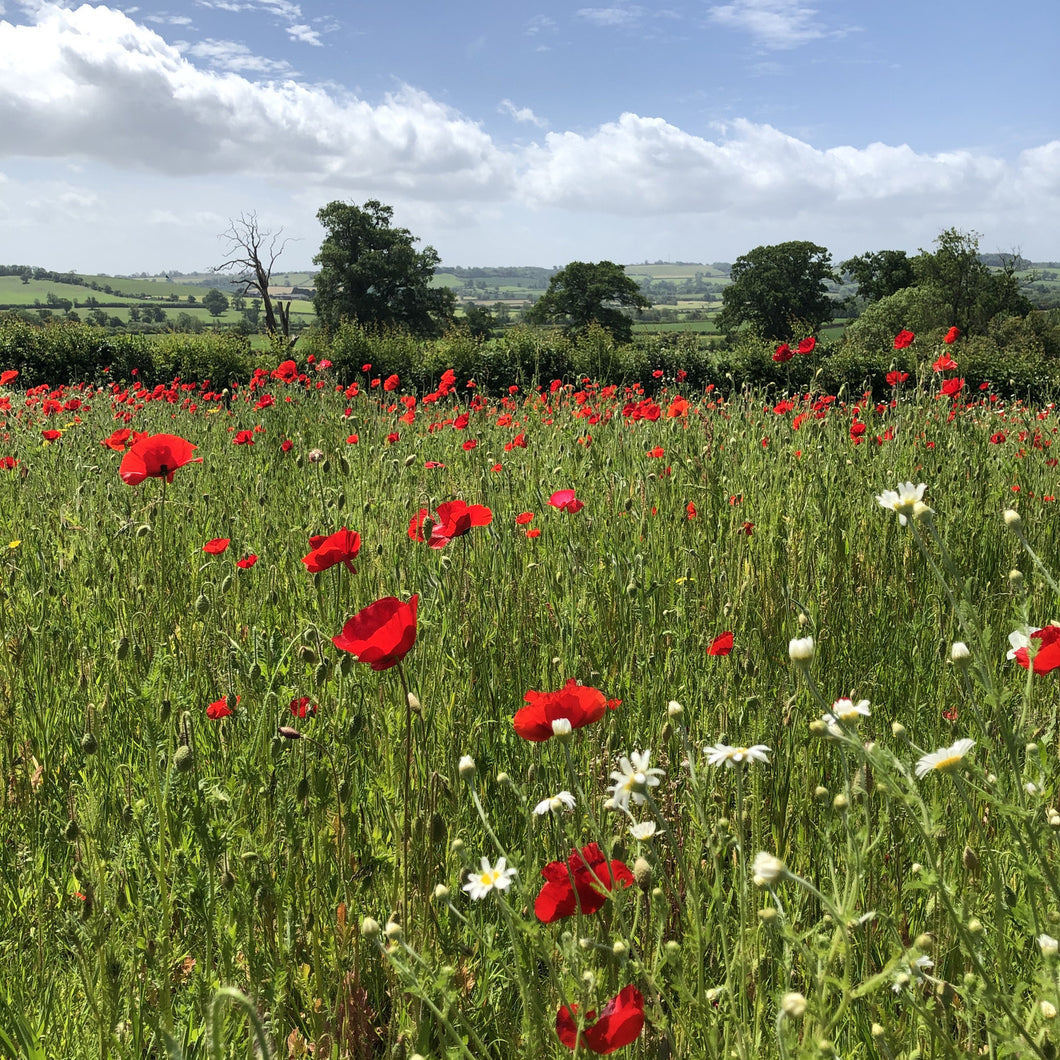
(633, 753)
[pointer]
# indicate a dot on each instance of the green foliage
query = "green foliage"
(917, 309)
(586, 293)
(215, 301)
(371, 273)
(779, 290)
(879, 274)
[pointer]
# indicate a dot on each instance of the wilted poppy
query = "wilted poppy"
(807, 345)
(620, 1023)
(380, 634)
(579, 704)
(1047, 657)
(721, 644)
(566, 501)
(582, 882)
(339, 547)
(903, 339)
(156, 456)
(216, 546)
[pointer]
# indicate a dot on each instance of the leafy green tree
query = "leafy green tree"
(973, 293)
(215, 301)
(586, 293)
(778, 289)
(479, 321)
(370, 272)
(880, 273)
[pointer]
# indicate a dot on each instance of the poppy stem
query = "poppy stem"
(407, 786)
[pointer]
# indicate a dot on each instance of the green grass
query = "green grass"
(139, 878)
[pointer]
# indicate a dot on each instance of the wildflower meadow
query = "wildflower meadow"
(340, 720)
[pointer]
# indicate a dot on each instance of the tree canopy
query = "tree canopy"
(587, 292)
(371, 272)
(779, 289)
(880, 273)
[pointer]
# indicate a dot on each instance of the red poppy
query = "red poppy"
(286, 370)
(380, 634)
(220, 708)
(620, 1023)
(392, 382)
(579, 704)
(469, 445)
(533, 533)
(123, 439)
(391, 438)
(217, 545)
(566, 501)
(690, 509)
(430, 465)
(339, 547)
(782, 353)
(952, 386)
(7, 375)
(286, 445)
(583, 882)
(656, 452)
(156, 456)
(243, 438)
(945, 364)
(51, 436)
(300, 706)
(247, 562)
(1047, 657)
(903, 339)
(894, 378)
(721, 644)
(8, 463)
(951, 336)
(748, 528)
(807, 345)
(523, 518)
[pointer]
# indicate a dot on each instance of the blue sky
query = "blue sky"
(529, 133)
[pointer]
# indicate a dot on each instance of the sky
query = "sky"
(526, 133)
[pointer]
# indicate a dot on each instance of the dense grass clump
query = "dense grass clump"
(221, 828)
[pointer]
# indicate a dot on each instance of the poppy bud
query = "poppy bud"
(143, 530)
(227, 583)
(302, 791)
(370, 928)
(202, 604)
(320, 674)
(228, 881)
(439, 831)
(72, 831)
(255, 671)
(970, 859)
(184, 759)
(306, 654)
(123, 649)
(466, 768)
(344, 467)
(345, 665)
(89, 745)
(289, 733)
(325, 464)
(340, 501)
(410, 460)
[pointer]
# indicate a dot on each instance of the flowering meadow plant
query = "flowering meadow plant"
(710, 737)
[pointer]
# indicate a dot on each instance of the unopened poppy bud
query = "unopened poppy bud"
(667, 732)
(370, 928)
(642, 873)
(321, 671)
(1048, 1010)
(672, 949)
(122, 649)
(970, 859)
(818, 727)
(184, 759)
(877, 1031)
(72, 831)
(228, 880)
(467, 768)
(1012, 519)
(410, 460)
(457, 846)
(226, 584)
(975, 927)
(793, 1005)
(202, 603)
(821, 793)
(289, 733)
(89, 744)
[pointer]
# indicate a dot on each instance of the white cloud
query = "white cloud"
(774, 24)
(521, 114)
(231, 55)
(305, 34)
(612, 16)
(168, 20)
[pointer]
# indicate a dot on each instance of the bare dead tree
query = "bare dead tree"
(252, 253)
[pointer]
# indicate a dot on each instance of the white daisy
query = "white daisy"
(632, 779)
(945, 759)
(643, 831)
(721, 754)
(489, 878)
(767, 869)
(1019, 639)
(800, 649)
(903, 501)
(559, 802)
(845, 714)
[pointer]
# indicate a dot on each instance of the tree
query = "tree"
(587, 292)
(972, 292)
(778, 289)
(880, 273)
(215, 301)
(371, 272)
(252, 253)
(479, 321)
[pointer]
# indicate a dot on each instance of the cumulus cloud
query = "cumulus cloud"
(92, 83)
(305, 34)
(521, 114)
(773, 24)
